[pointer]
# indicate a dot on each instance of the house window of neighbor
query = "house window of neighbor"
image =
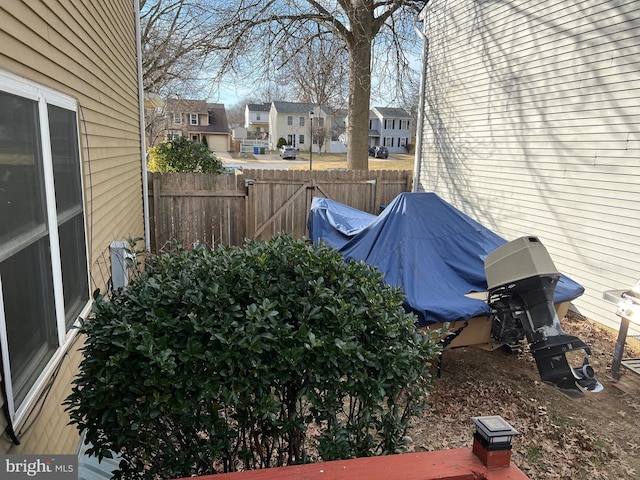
(193, 119)
(302, 121)
(402, 142)
(177, 118)
(44, 284)
(320, 122)
(388, 141)
(289, 120)
(258, 116)
(301, 139)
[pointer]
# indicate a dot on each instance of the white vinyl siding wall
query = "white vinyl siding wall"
(532, 127)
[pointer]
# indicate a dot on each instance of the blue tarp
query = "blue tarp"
(423, 244)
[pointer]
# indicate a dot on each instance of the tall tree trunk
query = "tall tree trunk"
(359, 95)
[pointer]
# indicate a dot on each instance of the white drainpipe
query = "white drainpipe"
(420, 127)
(143, 141)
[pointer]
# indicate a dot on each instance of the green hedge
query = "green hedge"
(183, 156)
(253, 357)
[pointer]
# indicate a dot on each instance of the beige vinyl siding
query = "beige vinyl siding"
(532, 127)
(85, 49)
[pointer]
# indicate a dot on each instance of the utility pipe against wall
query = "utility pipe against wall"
(420, 126)
(143, 141)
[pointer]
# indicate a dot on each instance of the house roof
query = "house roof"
(259, 107)
(217, 120)
(341, 112)
(391, 112)
(299, 108)
(181, 105)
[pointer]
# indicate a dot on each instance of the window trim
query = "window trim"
(44, 96)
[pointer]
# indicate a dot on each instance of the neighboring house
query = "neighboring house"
(531, 125)
(71, 182)
(390, 127)
(197, 120)
(256, 120)
(292, 121)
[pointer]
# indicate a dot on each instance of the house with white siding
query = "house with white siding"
(256, 119)
(293, 122)
(389, 127)
(530, 123)
(72, 180)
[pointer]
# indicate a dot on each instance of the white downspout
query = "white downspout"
(143, 141)
(420, 127)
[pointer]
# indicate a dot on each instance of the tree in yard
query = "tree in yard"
(318, 72)
(267, 28)
(176, 47)
(183, 38)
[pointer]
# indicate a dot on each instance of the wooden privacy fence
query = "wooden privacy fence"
(225, 209)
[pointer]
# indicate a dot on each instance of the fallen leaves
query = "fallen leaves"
(596, 438)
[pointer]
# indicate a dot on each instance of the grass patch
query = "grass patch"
(563, 421)
(533, 455)
(326, 161)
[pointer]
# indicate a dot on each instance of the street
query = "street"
(269, 161)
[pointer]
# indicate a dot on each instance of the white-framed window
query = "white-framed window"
(388, 141)
(289, 120)
(177, 118)
(291, 139)
(193, 119)
(44, 280)
(404, 124)
(301, 120)
(402, 141)
(301, 139)
(320, 122)
(172, 135)
(258, 116)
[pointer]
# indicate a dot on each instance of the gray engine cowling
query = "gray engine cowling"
(521, 280)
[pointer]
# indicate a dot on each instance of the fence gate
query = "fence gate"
(279, 201)
(286, 212)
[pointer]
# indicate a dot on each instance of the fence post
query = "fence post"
(156, 212)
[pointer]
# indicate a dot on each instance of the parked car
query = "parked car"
(237, 169)
(379, 152)
(287, 151)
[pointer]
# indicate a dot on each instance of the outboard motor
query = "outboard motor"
(522, 280)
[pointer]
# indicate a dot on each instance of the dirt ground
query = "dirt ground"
(595, 437)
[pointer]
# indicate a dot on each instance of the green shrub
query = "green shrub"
(229, 359)
(281, 142)
(183, 156)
